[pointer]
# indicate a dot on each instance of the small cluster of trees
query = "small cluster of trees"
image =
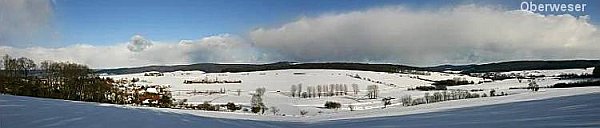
(387, 101)
(165, 100)
(585, 83)
(61, 80)
(321, 90)
(533, 86)
(453, 82)
(494, 75)
(415, 72)
(429, 88)
(574, 75)
(154, 74)
(209, 92)
(332, 105)
(206, 106)
(180, 103)
(595, 74)
(256, 102)
(232, 107)
(206, 80)
(372, 80)
(441, 96)
(373, 91)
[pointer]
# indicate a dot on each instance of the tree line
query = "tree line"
(60, 80)
(407, 100)
(325, 90)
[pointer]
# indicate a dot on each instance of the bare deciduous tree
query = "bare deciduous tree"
(293, 90)
(260, 91)
(299, 89)
(314, 91)
(355, 89)
(533, 86)
(373, 91)
(309, 91)
(345, 89)
(319, 90)
(274, 110)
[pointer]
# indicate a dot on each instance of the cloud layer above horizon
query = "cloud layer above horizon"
(24, 20)
(393, 34)
(462, 34)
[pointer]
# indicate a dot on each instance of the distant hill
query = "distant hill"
(518, 66)
(473, 68)
(216, 68)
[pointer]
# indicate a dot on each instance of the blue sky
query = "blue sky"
(114, 21)
(102, 22)
(128, 33)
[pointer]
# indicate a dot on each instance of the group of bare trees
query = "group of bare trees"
(533, 86)
(321, 90)
(331, 90)
(440, 96)
(17, 67)
(22, 76)
(373, 91)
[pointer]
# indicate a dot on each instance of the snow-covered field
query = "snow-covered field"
(551, 73)
(278, 84)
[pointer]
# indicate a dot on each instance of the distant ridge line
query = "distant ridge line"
(471, 68)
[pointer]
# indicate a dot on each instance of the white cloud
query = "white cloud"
(462, 34)
(138, 43)
(24, 20)
(220, 48)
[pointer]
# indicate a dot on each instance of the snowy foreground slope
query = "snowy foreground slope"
(570, 111)
(27, 112)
